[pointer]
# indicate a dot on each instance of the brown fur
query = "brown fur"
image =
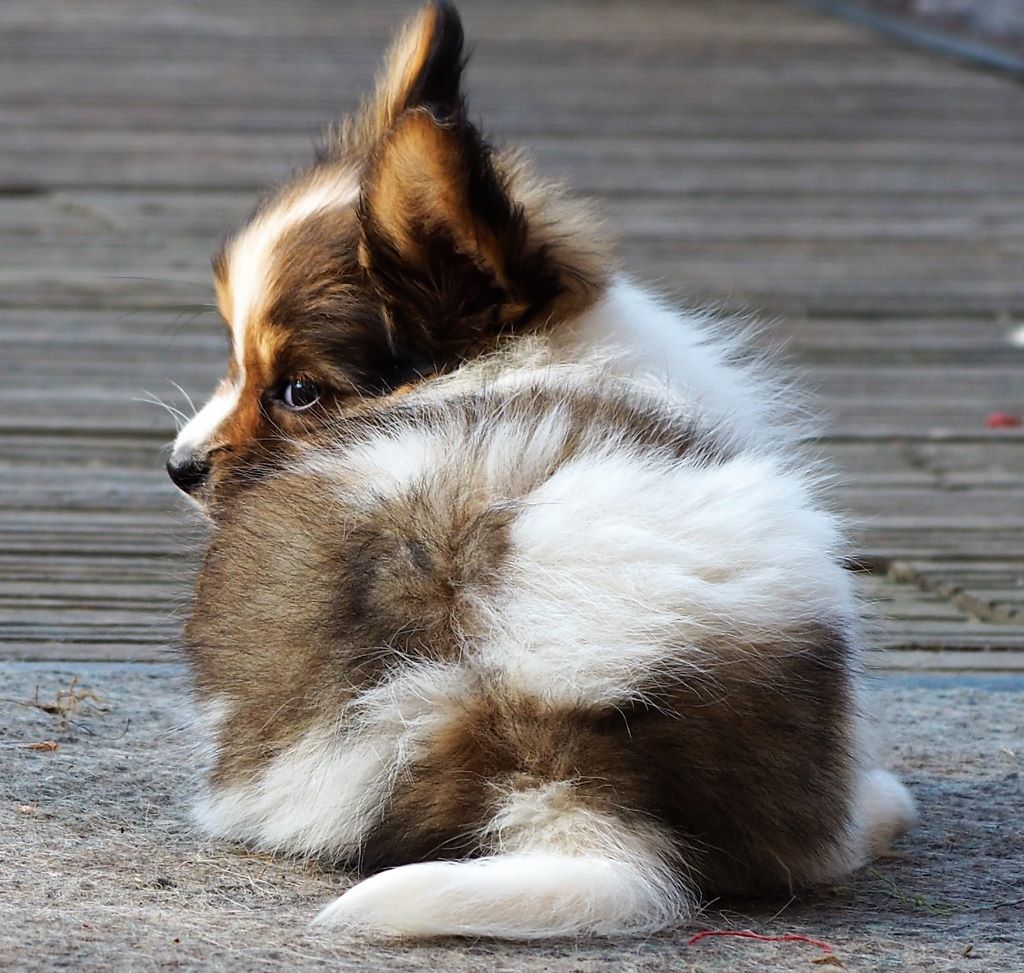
(714, 761)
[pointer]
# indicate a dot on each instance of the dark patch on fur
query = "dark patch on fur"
(751, 768)
(302, 593)
(403, 573)
(748, 770)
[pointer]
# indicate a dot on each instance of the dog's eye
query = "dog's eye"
(300, 394)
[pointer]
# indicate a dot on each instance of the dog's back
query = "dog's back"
(564, 653)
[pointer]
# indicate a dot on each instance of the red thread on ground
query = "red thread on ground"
(747, 934)
(1002, 420)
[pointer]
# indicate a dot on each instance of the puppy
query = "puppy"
(518, 599)
(410, 247)
(544, 652)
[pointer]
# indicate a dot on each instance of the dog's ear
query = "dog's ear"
(423, 67)
(445, 245)
(458, 246)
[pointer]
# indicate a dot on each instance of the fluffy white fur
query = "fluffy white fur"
(885, 811)
(734, 550)
(702, 358)
(201, 428)
(517, 896)
(321, 795)
(563, 870)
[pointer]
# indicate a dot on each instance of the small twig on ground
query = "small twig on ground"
(904, 898)
(760, 937)
(776, 915)
(1005, 905)
(67, 702)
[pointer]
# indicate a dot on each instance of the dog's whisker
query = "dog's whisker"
(179, 417)
(188, 398)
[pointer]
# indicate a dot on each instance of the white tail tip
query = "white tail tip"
(888, 810)
(523, 896)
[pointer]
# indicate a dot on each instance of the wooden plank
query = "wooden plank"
(104, 649)
(327, 21)
(960, 465)
(76, 214)
(749, 154)
(945, 661)
(897, 342)
(619, 163)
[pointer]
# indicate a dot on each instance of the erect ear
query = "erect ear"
(444, 243)
(446, 246)
(423, 67)
(459, 246)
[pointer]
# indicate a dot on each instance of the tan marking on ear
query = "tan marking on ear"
(403, 65)
(423, 64)
(421, 179)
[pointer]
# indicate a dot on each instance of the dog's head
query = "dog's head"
(407, 248)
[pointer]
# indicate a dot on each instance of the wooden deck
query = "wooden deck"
(755, 154)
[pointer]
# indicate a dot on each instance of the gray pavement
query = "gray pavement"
(102, 870)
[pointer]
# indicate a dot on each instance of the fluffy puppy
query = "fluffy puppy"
(543, 652)
(409, 247)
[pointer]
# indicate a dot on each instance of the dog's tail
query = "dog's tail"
(574, 872)
(518, 896)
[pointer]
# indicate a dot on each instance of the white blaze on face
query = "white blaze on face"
(204, 424)
(249, 262)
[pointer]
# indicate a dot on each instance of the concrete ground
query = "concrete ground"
(102, 870)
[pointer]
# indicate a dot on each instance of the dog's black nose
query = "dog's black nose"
(188, 474)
